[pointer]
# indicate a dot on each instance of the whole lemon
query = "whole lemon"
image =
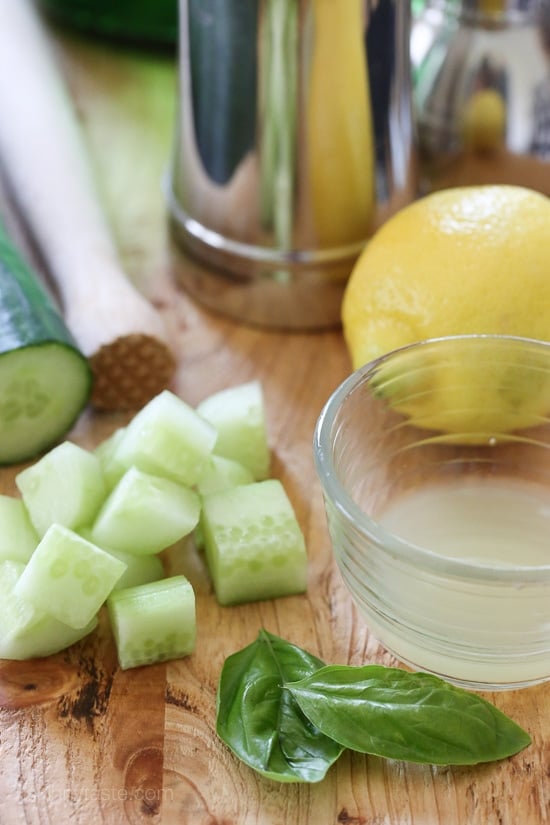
(460, 261)
(465, 260)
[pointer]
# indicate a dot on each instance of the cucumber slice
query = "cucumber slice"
(238, 415)
(18, 538)
(68, 577)
(222, 474)
(43, 389)
(167, 438)
(254, 545)
(45, 381)
(25, 631)
(145, 513)
(65, 487)
(153, 622)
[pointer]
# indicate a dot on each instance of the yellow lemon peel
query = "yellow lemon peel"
(468, 260)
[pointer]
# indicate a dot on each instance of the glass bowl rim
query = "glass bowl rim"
(367, 526)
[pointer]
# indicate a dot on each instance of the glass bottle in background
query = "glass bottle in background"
(147, 22)
(417, 6)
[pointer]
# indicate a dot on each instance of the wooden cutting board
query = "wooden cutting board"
(83, 743)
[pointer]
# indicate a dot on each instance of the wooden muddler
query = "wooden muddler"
(44, 160)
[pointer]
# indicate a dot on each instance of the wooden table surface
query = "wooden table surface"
(84, 743)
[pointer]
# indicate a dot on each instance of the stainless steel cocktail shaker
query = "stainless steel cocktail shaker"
(481, 73)
(294, 141)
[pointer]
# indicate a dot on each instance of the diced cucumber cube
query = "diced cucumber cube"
(167, 438)
(65, 486)
(198, 536)
(238, 415)
(15, 613)
(18, 538)
(68, 577)
(139, 569)
(153, 622)
(25, 631)
(254, 546)
(113, 470)
(46, 637)
(222, 474)
(145, 513)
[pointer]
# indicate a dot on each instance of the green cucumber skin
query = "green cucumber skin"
(29, 323)
(28, 315)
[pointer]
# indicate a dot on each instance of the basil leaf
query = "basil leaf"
(261, 722)
(395, 714)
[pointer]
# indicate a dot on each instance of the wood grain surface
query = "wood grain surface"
(84, 743)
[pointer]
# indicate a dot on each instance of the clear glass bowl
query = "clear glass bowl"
(435, 467)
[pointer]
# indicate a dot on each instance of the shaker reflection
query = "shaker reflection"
(482, 92)
(292, 144)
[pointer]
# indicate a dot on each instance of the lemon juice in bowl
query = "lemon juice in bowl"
(490, 527)
(436, 478)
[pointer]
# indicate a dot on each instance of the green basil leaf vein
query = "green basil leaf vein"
(261, 722)
(415, 717)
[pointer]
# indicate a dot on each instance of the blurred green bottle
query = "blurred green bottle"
(146, 22)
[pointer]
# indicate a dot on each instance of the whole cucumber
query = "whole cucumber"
(45, 381)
